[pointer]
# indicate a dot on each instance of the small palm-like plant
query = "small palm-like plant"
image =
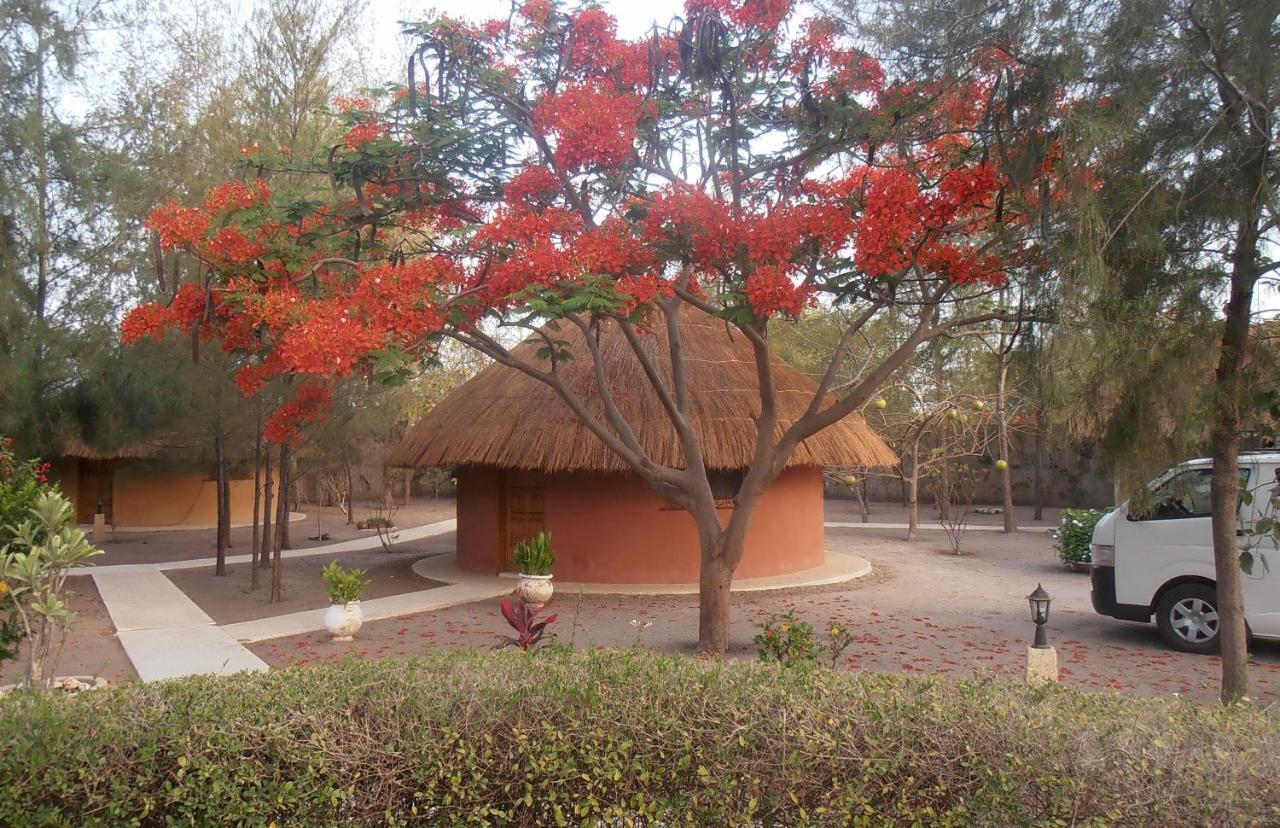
(529, 630)
(534, 556)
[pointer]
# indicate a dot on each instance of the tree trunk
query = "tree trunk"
(1037, 469)
(714, 581)
(257, 501)
(862, 500)
(268, 495)
(220, 475)
(351, 495)
(1225, 442)
(1002, 422)
(408, 486)
(282, 520)
(913, 497)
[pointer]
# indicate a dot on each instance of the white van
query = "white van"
(1157, 558)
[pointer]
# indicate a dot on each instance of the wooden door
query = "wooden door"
(95, 483)
(523, 513)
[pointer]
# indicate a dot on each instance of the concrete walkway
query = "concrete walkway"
(166, 635)
(162, 631)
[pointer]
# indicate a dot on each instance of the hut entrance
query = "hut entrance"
(95, 479)
(523, 513)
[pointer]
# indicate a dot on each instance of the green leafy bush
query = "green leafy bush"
(344, 585)
(534, 556)
(1075, 533)
(790, 641)
(607, 737)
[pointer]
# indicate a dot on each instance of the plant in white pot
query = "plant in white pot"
(344, 618)
(535, 559)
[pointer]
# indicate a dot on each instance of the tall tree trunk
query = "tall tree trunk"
(351, 492)
(1037, 469)
(1225, 442)
(913, 497)
(268, 494)
(1002, 423)
(257, 500)
(226, 499)
(42, 243)
(860, 491)
(220, 471)
(282, 520)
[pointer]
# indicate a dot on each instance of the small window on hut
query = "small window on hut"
(725, 484)
(724, 487)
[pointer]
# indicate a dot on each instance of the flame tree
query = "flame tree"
(540, 172)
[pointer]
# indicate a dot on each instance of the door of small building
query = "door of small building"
(523, 513)
(95, 483)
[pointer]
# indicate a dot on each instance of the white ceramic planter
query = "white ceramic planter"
(534, 590)
(343, 621)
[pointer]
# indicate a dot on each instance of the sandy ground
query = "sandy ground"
(92, 648)
(125, 547)
(923, 609)
(229, 599)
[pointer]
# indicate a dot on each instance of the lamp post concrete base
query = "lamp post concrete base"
(1042, 665)
(99, 528)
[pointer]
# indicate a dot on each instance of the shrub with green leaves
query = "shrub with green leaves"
(1075, 534)
(344, 585)
(534, 556)
(34, 564)
(618, 737)
(789, 641)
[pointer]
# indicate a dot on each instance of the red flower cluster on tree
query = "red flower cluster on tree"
(309, 405)
(567, 193)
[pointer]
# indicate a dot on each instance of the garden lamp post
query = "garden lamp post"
(1042, 659)
(1039, 601)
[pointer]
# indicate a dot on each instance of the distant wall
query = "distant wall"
(1071, 477)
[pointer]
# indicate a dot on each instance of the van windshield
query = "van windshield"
(1183, 495)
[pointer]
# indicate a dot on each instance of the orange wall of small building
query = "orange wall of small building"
(615, 529)
(151, 497)
(175, 499)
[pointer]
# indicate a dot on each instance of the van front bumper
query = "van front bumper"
(1104, 597)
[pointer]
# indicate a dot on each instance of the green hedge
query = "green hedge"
(616, 738)
(1075, 534)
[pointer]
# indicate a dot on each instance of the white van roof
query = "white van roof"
(1261, 456)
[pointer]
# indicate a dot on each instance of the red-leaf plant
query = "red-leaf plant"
(529, 630)
(749, 161)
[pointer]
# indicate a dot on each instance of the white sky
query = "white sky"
(634, 18)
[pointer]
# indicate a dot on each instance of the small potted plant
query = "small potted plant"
(535, 559)
(344, 618)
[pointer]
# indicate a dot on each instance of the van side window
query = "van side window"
(1185, 495)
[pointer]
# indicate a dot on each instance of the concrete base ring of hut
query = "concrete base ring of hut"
(837, 568)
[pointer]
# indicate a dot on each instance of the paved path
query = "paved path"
(980, 527)
(166, 635)
(162, 631)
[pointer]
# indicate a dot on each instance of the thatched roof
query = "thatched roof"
(505, 418)
(136, 451)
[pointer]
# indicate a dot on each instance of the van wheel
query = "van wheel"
(1188, 618)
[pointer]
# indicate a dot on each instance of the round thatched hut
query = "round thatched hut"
(145, 486)
(525, 463)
